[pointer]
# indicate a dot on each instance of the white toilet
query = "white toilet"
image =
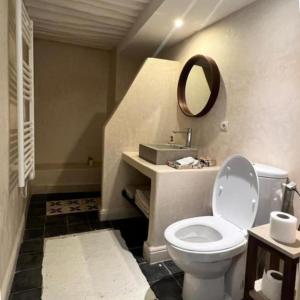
(211, 249)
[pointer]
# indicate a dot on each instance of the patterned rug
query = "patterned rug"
(71, 206)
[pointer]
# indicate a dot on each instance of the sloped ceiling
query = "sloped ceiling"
(158, 31)
(95, 23)
(131, 26)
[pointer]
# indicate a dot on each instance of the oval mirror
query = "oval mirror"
(198, 86)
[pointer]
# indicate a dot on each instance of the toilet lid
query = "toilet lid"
(235, 195)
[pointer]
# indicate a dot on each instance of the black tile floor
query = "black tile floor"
(164, 278)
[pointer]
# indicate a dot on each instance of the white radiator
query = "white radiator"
(13, 102)
(25, 94)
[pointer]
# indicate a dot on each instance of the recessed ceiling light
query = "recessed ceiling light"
(178, 23)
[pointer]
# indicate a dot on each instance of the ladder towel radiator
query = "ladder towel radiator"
(25, 94)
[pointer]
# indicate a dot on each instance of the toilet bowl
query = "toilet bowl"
(205, 247)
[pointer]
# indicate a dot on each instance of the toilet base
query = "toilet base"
(195, 288)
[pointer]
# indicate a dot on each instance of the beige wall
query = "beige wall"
(71, 88)
(123, 69)
(12, 205)
(147, 114)
(111, 97)
(257, 51)
(71, 95)
(127, 66)
(76, 90)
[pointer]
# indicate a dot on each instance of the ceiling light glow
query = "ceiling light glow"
(178, 23)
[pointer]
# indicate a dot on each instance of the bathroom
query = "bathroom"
(106, 76)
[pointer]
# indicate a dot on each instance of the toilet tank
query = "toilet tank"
(270, 191)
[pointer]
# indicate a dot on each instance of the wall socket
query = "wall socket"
(224, 126)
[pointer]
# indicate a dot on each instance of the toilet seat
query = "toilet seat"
(207, 234)
(235, 194)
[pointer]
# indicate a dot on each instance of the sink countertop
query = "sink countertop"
(149, 169)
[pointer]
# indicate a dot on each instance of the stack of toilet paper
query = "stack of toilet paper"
(271, 285)
(283, 227)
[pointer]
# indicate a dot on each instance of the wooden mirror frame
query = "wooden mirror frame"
(212, 75)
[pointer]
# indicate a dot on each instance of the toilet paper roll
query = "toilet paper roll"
(283, 227)
(271, 284)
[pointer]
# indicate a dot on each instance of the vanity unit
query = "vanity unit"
(175, 194)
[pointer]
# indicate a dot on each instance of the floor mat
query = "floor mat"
(90, 266)
(71, 206)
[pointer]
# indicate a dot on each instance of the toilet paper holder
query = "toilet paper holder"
(259, 237)
(290, 189)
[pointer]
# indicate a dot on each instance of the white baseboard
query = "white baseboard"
(155, 254)
(10, 271)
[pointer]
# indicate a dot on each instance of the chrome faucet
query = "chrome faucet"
(188, 133)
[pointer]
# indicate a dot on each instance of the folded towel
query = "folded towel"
(186, 161)
(130, 189)
(142, 201)
(195, 165)
(192, 163)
